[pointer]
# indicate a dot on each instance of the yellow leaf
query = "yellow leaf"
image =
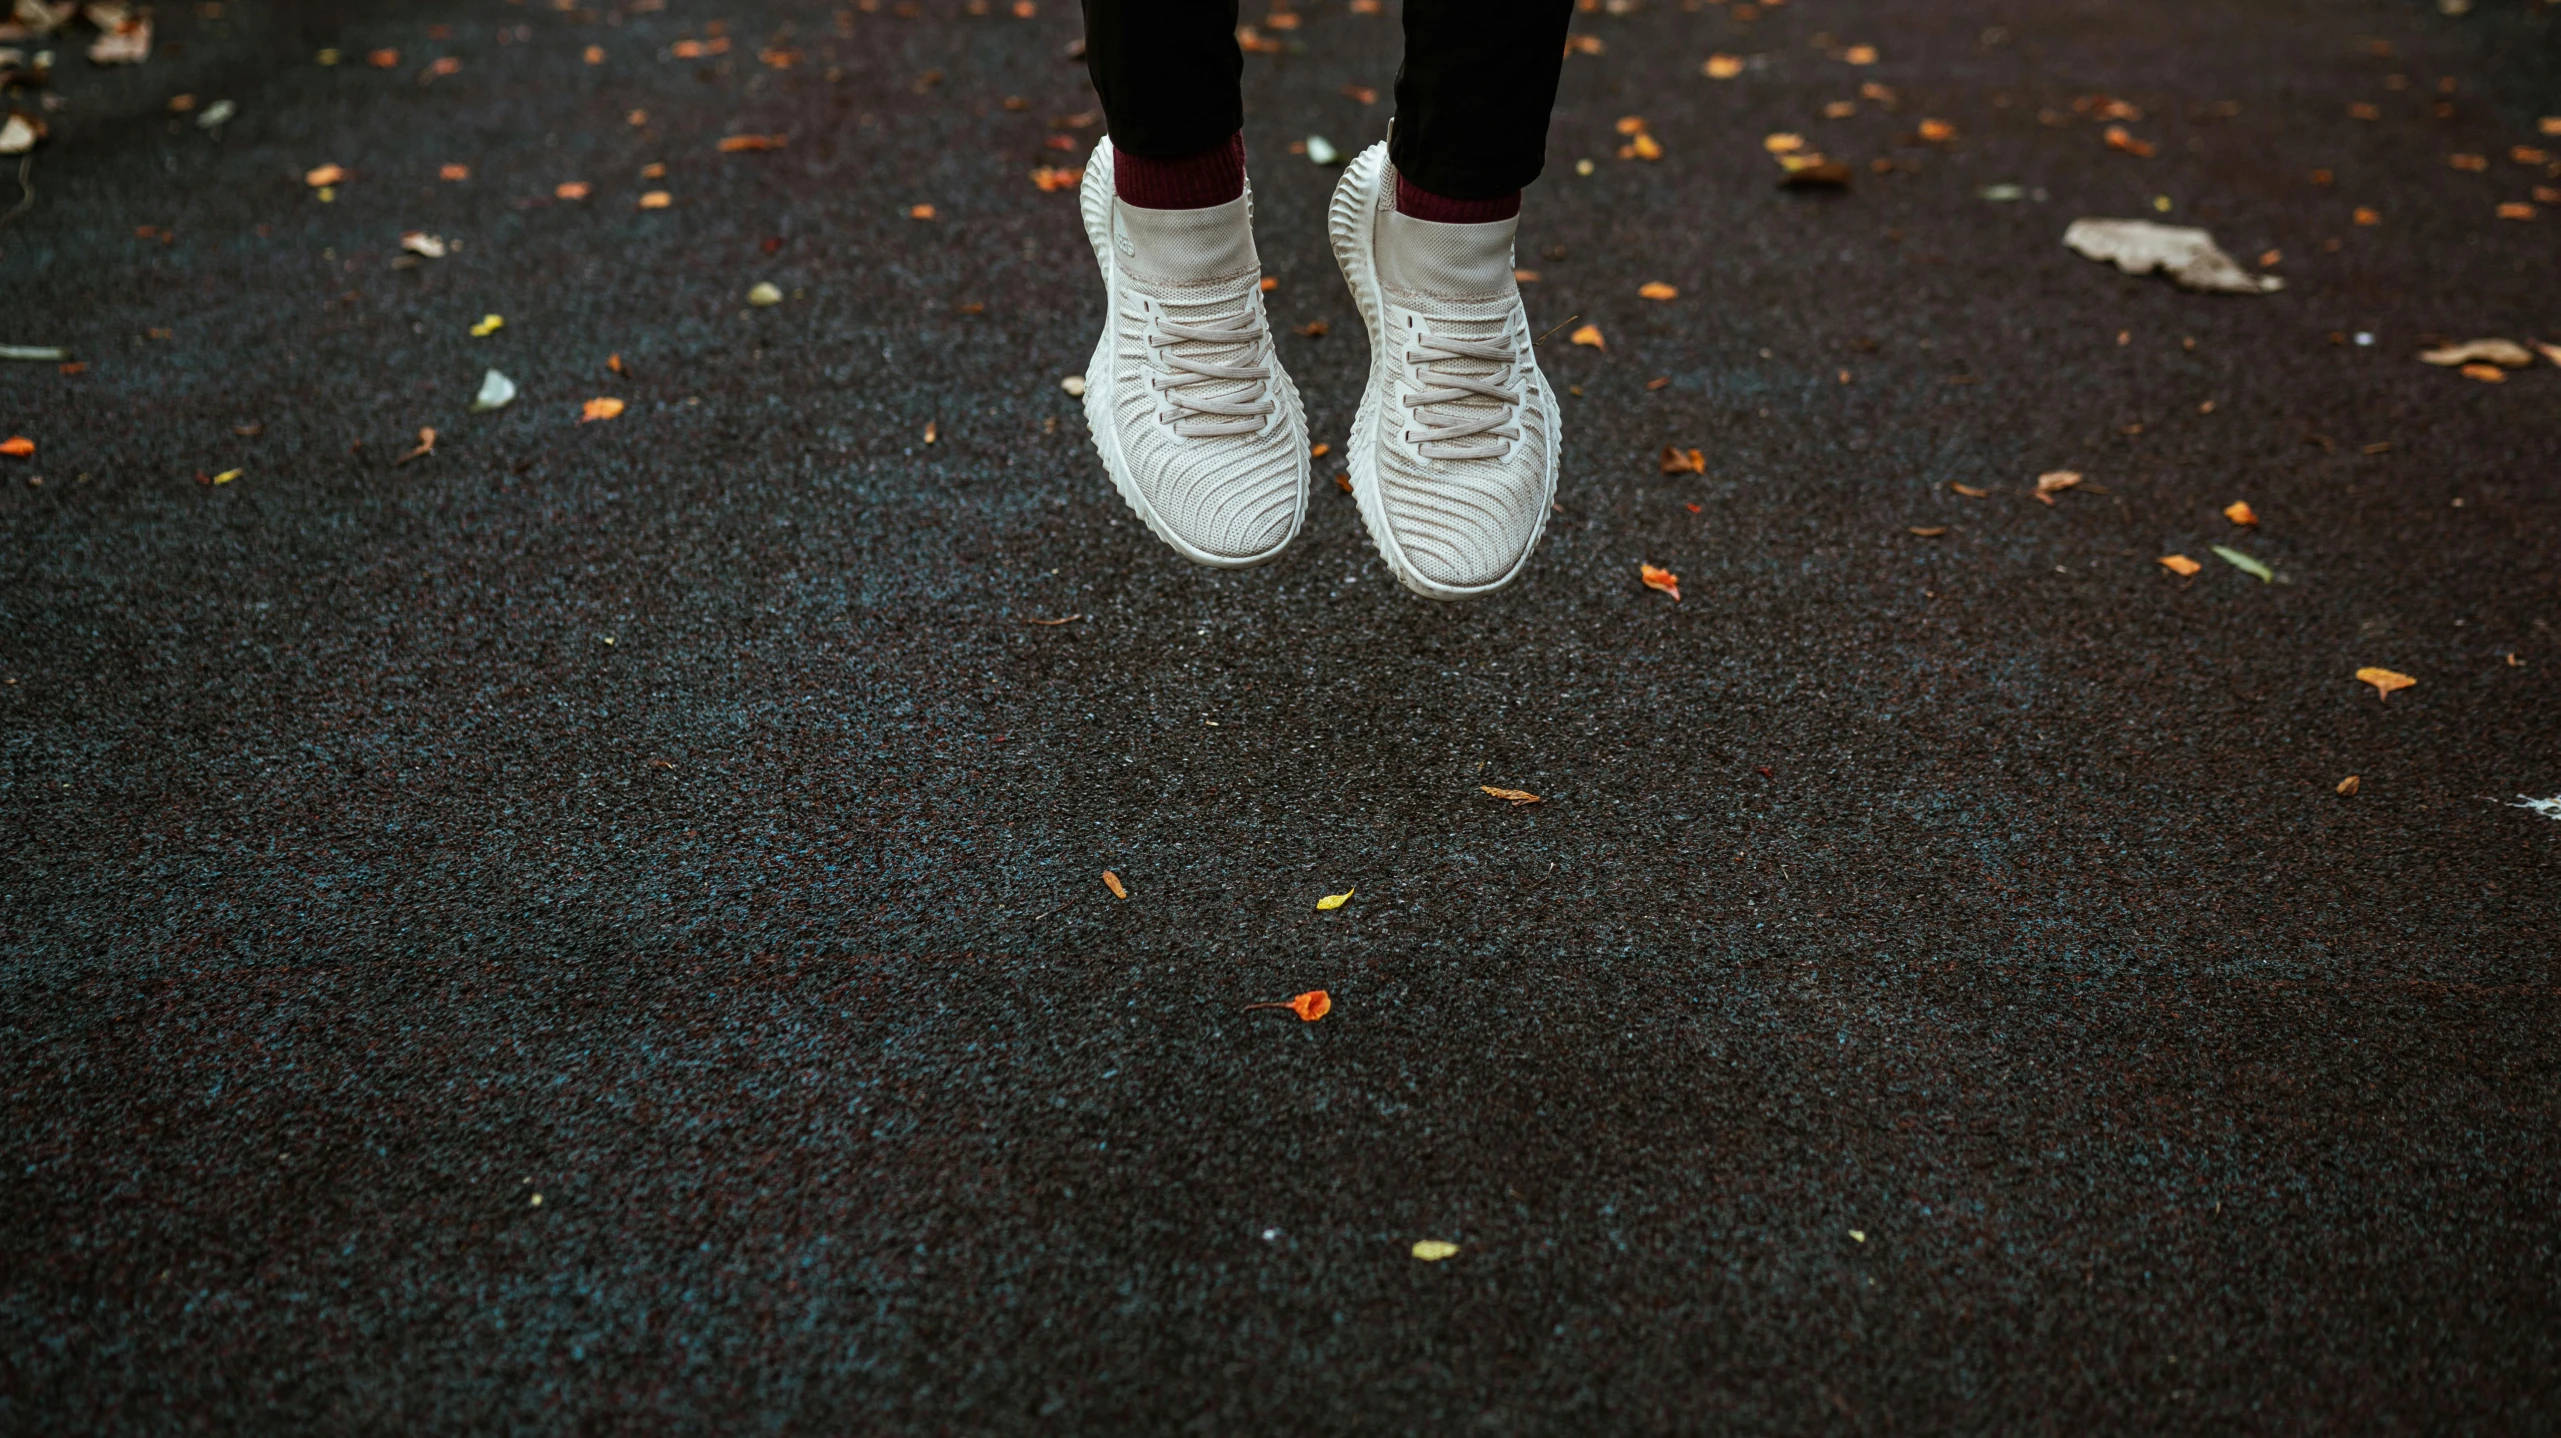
(2180, 564)
(1643, 147)
(2239, 512)
(1657, 290)
(1433, 1250)
(2384, 680)
(1112, 882)
(1516, 797)
(1631, 124)
(1590, 335)
(1860, 55)
(1335, 901)
(227, 476)
(602, 408)
(489, 325)
(656, 200)
(1722, 67)
(1782, 142)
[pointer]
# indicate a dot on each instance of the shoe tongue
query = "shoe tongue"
(1428, 257)
(1186, 246)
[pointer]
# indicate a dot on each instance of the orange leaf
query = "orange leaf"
(1662, 579)
(324, 175)
(1969, 491)
(2486, 373)
(603, 408)
(739, 144)
(1053, 178)
(1683, 461)
(453, 172)
(1860, 55)
(1937, 132)
(2384, 680)
(2180, 564)
(656, 200)
(383, 59)
(17, 446)
(2349, 785)
(1782, 142)
(572, 189)
(1312, 1005)
(2239, 512)
(1590, 335)
(1722, 67)
(2367, 216)
(1657, 290)
(920, 212)
(1112, 882)
(1515, 797)
(1929, 531)
(2119, 139)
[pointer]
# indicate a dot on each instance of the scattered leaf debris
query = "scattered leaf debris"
(1335, 901)
(2384, 680)
(1662, 579)
(1515, 797)
(1112, 882)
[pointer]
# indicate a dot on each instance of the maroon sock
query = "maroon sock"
(1416, 203)
(1193, 182)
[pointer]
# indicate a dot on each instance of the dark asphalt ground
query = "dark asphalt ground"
(1941, 989)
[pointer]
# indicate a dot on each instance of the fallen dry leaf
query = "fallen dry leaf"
(1662, 579)
(426, 447)
(1937, 132)
(2239, 512)
(920, 212)
(2384, 680)
(1782, 142)
(1433, 1250)
(1309, 1006)
(1859, 55)
(1054, 623)
(453, 172)
(2180, 564)
(2054, 482)
(383, 59)
(1722, 67)
(1969, 491)
(1335, 901)
(322, 176)
(2516, 210)
(1053, 178)
(1657, 290)
(1589, 335)
(2551, 352)
(489, 325)
(1643, 147)
(2496, 351)
(18, 446)
(2366, 215)
(419, 242)
(1929, 531)
(763, 293)
(1682, 461)
(572, 190)
(2474, 163)
(1514, 797)
(1313, 329)
(656, 200)
(1585, 45)
(752, 144)
(2349, 785)
(2188, 256)
(2119, 138)
(1112, 882)
(2486, 373)
(603, 407)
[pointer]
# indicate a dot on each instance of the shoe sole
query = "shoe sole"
(1094, 200)
(1351, 223)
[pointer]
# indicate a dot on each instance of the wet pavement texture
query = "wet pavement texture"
(601, 926)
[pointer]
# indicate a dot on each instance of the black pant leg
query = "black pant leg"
(1472, 98)
(1169, 73)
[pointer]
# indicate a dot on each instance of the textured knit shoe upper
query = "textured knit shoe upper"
(1463, 430)
(1193, 413)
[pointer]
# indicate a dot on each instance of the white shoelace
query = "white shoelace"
(1184, 355)
(1432, 359)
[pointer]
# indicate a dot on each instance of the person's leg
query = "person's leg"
(1454, 450)
(1472, 101)
(1197, 424)
(1169, 73)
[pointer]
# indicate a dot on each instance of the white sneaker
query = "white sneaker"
(1196, 421)
(1453, 456)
